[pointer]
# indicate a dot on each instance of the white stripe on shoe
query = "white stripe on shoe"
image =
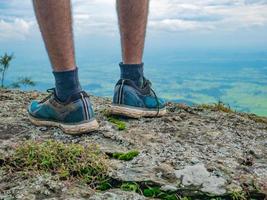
(85, 107)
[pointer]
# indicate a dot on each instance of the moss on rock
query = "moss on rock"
(65, 160)
(125, 156)
(121, 125)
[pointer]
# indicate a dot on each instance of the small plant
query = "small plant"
(118, 123)
(104, 185)
(65, 160)
(152, 192)
(125, 156)
(155, 192)
(238, 195)
(4, 62)
(132, 187)
(257, 119)
(219, 106)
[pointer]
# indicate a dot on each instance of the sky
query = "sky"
(215, 23)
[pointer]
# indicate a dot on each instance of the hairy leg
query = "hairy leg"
(55, 22)
(132, 16)
(69, 107)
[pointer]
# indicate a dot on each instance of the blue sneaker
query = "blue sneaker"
(75, 116)
(132, 101)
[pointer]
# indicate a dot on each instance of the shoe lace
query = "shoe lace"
(52, 91)
(154, 93)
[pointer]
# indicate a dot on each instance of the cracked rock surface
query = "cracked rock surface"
(191, 148)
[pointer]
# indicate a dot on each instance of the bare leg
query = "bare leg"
(132, 15)
(130, 101)
(69, 107)
(55, 21)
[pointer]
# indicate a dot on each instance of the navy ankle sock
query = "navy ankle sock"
(134, 72)
(67, 84)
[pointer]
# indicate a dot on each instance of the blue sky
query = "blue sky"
(234, 23)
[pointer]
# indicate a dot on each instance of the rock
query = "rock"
(168, 188)
(210, 149)
(194, 160)
(116, 194)
(34, 95)
(43, 128)
(197, 175)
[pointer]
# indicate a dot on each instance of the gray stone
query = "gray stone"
(168, 147)
(197, 175)
(116, 194)
(168, 188)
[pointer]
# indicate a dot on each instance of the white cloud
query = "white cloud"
(176, 15)
(18, 28)
(94, 16)
(174, 25)
(99, 16)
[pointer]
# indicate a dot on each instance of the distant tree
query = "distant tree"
(4, 62)
(23, 81)
(4, 65)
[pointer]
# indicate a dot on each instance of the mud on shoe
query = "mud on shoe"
(75, 116)
(132, 101)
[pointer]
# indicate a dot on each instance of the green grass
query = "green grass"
(219, 106)
(155, 192)
(132, 187)
(125, 156)
(184, 198)
(65, 160)
(104, 185)
(238, 195)
(257, 119)
(121, 125)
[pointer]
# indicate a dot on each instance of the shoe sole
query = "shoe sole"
(135, 112)
(72, 129)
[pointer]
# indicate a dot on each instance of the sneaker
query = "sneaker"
(132, 101)
(75, 116)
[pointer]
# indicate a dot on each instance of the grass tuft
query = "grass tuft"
(104, 185)
(65, 160)
(152, 192)
(257, 119)
(155, 192)
(238, 195)
(132, 187)
(125, 156)
(121, 125)
(219, 106)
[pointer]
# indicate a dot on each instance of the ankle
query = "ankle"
(67, 83)
(134, 72)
